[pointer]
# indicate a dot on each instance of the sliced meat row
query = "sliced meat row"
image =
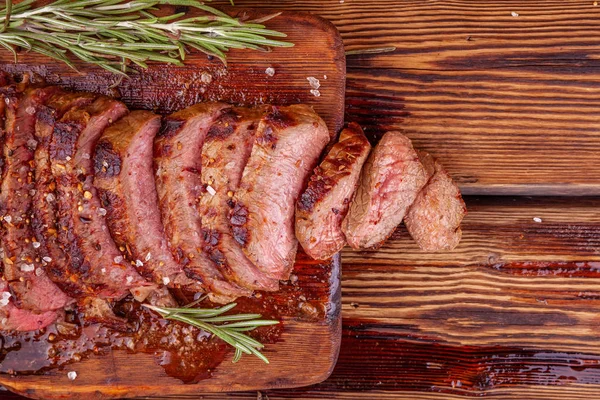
(396, 183)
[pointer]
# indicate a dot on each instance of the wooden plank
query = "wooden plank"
(509, 104)
(311, 322)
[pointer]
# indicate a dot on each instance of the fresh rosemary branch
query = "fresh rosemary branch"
(113, 34)
(229, 328)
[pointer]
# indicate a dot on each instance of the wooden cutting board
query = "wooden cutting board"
(306, 351)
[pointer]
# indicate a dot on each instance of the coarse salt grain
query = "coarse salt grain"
(47, 259)
(72, 375)
(3, 302)
(129, 279)
(270, 71)
(166, 280)
(148, 257)
(118, 259)
(139, 263)
(103, 270)
(102, 211)
(8, 218)
(50, 197)
(39, 271)
(30, 110)
(314, 82)
(36, 245)
(315, 93)
(86, 156)
(211, 190)
(27, 267)
(514, 14)
(537, 219)
(206, 77)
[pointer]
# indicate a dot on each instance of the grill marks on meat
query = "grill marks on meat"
(390, 181)
(225, 153)
(124, 177)
(288, 143)
(44, 219)
(95, 263)
(322, 207)
(434, 218)
(30, 286)
(177, 152)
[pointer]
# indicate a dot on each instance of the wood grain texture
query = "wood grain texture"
(510, 104)
(314, 338)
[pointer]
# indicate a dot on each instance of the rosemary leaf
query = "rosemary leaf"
(230, 329)
(114, 34)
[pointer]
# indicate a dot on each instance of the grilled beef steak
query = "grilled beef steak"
(288, 143)
(389, 183)
(124, 177)
(225, 153)
(322, 207)
(44, 218)
(95, 262)
(30, 286)
(434, 218)
(178, 164)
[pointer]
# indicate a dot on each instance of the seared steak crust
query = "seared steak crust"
(288, 143)
(434, 218)
(322, 207)
(44, 218)
(124, 177)
(178, 165)
(389, 183)
(94, 261)
(225, 153)
(30, 286)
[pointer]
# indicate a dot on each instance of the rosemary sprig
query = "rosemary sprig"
(113, 34)
(229, 328)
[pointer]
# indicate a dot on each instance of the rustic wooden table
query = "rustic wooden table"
(507, 95)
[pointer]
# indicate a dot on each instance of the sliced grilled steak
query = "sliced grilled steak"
(225, 153)
(124, 177)
(13, 318)
(30, 286)
(434, 218)
(322, 207)
(288, 143)
(95, 263)
(44, 220)
(178, 164)
(389, 183)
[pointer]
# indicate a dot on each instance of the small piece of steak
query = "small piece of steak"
(44, 218)
(289, 141)
(30, 286)
(94, 261)
(178, 163)
(434, 218)
(124, 177)
(13, 318)
(225, 153)
(389, 183)
(322, 207)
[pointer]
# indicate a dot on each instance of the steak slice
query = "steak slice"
(389, 183)
(13, 318)
(288, 143)
(225, 153)
(44, 219)
(94, 261)
(322, 207)
(124, 177)
(30, 286)
(434, 218)
(177, 151)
